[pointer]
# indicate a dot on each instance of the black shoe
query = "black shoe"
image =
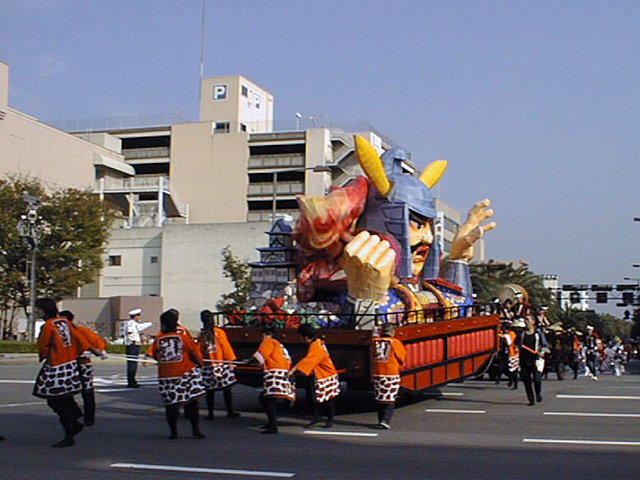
(531, 402)
(313, 422)
(1, 438)
(233, 414)
(133, 385)
(88, 423)
(77, 428)
(198, 435)
(209, 417)
(269, 430)
(329, 424)
(66, 442)
(173, 436)
(539, 398)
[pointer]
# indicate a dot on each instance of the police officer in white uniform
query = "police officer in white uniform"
(133, 341)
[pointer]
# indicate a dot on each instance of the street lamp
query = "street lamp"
(29, 230)
(316, 169)
(298, 117)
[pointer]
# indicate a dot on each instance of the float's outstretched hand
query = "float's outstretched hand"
(368, 262)
(471, 231)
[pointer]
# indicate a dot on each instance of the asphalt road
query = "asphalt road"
(473, 430)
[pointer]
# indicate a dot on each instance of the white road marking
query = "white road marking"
(446, 394)
(98, 380)
(583, 414)
(600, 397)
(110, 390)
(442, 410)
(581, 442)
(7, 405)
(17, 381)
(219, 471)
(342, 434)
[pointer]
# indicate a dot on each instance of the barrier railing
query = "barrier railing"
(330, 320)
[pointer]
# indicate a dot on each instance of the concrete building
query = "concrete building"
(188, 189)
(29, 148)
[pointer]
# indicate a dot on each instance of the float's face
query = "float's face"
(420, 239)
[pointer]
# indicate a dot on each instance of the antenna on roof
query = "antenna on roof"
(202, 31)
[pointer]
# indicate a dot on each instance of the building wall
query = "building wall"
(33, 149)
(222, 100)
(209, 172)
(136, 275)
(192, 278)
(452, 221)
(319, 151)
(4, 86)
(105, 315)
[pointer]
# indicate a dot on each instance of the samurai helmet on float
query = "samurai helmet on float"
(399, 196)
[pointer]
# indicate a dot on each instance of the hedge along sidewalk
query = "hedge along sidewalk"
(9, 346)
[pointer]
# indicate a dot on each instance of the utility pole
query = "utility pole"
(29, 231)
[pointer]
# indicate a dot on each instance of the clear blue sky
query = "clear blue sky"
(536, 105)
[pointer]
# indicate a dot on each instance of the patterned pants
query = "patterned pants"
(514, 363)
(181, 389)
(327, 388)
(386, 388)
(59, 380)
(278, 385)
(86, 375)
(218, 376)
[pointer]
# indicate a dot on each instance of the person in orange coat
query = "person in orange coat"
(277, 384)
(318, 362)
(179, 378)
(218, 375)
(511, 338)
(60, 345)
(86, 369)
(389, 355)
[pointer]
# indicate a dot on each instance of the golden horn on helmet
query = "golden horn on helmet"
(372, 165)
(432, 173)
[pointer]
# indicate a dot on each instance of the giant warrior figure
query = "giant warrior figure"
(369, 246)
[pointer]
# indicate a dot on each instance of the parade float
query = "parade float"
(363, 255)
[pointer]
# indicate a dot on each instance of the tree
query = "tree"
(605, 325)
(239, 272)
(75, 229)
(487, 280)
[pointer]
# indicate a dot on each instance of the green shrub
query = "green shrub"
(121, 349)
(7, 346)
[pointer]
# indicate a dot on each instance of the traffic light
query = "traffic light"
(601, 297)
(627, 297)
(574, 297)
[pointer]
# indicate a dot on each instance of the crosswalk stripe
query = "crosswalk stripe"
(219, 471)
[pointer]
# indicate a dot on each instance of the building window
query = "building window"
(450, 225)
(115, 260)
(220, 127)
(245, 91)
(153, 260)
(243, 127)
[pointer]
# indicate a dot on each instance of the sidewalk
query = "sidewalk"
(32, 359)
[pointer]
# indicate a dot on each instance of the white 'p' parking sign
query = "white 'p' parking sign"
(219, 92)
